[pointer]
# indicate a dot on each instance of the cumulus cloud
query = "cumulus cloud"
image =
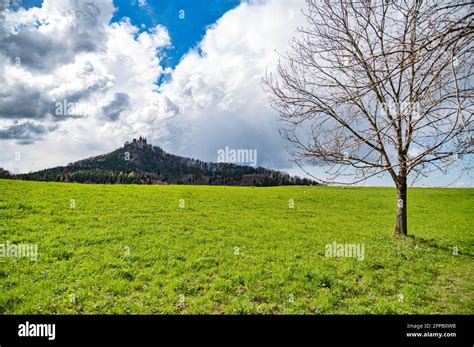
(37, 35)
(118, 105)
(74, 85)
(24, 133)
(92, 84)
(80, 78)
(216, 91)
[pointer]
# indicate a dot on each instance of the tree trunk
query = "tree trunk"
(401, 228)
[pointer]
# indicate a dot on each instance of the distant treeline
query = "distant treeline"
(114, 177)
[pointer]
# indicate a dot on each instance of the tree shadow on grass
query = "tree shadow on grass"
(445, 247)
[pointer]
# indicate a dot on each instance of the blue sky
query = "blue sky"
(185, 32)
(187, 74)
(186, 20)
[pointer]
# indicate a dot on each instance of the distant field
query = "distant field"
(234, 250)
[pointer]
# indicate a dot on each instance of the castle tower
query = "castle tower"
(141, 142)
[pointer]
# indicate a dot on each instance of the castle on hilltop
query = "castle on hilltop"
(140, 143)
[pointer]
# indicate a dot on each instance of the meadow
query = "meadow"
(120, 249)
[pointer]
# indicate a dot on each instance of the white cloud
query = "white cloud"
(107, 70)
(215, 93)
(67, 49)
(218, 85)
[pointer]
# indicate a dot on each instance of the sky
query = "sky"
(78, 78)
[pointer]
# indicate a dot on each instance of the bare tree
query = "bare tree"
(374, 87)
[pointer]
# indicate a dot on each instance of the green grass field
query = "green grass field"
(233, 250)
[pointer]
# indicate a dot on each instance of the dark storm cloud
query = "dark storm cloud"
(44, 52)
(98, 86)
(113, 110)
(24, 133)
(200, 139)
(22, 101)
(27, 102)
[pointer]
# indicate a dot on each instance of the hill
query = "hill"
(141, 163)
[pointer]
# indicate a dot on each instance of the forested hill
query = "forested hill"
(141, 163)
